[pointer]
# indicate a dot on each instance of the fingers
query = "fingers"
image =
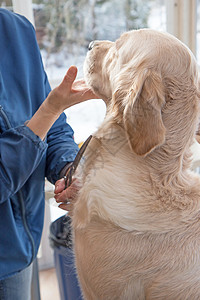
(68, 207)
(59, 186)
(77, 91)
(62, 195)
(67, 197)
(88, 94)
(80, 86)
(69, 78)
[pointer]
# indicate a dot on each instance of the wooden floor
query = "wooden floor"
(48, 285)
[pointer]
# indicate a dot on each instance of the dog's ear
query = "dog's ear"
(142, 114)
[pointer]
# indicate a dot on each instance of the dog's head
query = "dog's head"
(149, 80)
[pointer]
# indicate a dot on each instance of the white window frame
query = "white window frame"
(181, 21)
(24, 8)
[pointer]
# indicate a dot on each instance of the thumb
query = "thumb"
(70, 77)
(59, 186)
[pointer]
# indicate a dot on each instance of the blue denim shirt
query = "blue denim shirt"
(25, 159)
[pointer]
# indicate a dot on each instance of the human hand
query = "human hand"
(68, 93)
(67, 197)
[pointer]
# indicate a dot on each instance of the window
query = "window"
(6, 4)
(198, 32)
(65, 28)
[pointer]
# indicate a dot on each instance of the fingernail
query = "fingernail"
(73, 69)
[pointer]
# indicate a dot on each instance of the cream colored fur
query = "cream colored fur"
(136, 222)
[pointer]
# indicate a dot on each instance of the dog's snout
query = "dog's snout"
(91, 45)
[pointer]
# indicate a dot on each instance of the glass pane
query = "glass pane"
(65, 28)
(6, 4)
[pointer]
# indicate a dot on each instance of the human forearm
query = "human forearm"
(42, 121)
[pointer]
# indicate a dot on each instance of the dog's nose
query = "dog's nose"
(91, 45)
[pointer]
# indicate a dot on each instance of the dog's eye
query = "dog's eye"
(91, 45)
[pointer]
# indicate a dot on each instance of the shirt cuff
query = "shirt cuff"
(26, 131)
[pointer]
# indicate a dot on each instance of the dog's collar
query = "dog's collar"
(74, 165)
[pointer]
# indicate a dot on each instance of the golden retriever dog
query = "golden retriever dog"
(136, 222)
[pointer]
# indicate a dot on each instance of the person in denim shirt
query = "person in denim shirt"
(35, 142)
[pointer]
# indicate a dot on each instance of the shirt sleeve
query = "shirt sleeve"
(62, 148)
(20, 153)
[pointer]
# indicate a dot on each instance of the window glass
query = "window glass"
(6, 4)
(65, 28)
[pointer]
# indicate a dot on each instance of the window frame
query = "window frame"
(24, 8)
(182, 21)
